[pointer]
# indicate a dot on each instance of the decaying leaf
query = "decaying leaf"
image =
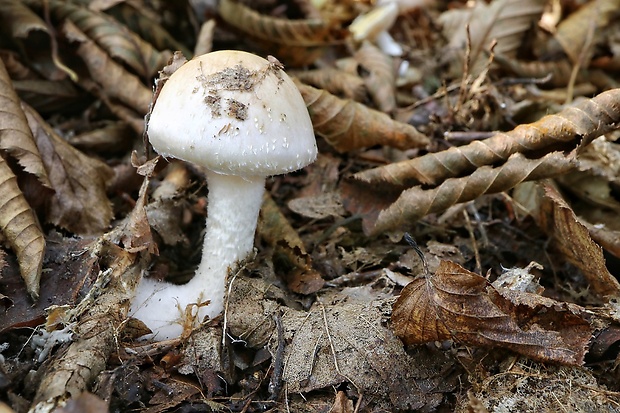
(289, 251)
(308, 32)
(574, 126)
(572, 32)
(335, 81)
(80, 203)
(15, 135)
(572, 238)
(116, 39)
(559, 70)
(113, 78)
(21, 227)
(526, 386)
(379, 76)
(20, 24)
(505, 21)
(348, 125)
(341, 339)
(415, 203)
(18, 221)
(456, 304)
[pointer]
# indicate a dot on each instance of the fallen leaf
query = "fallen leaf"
(115, 38)
(290, 258)
(347, 125)
(572, 238)
(415, 203)
(15, 135)
(456, 304)
(80, 203)
(503, 21)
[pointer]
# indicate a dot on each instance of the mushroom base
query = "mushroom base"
(168, 309)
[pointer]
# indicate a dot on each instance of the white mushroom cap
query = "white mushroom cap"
(233, 113)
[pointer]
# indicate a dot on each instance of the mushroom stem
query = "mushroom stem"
(234, 204)
(232, 213)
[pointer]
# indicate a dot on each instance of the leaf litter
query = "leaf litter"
(429, 139)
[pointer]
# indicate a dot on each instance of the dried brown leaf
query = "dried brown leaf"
(348, 125)
(115, 38)
(15, 135)
(575, 125)
(416, 202)
(335, 81)
(80, 203)
(573, 32)
(135, 232)
(505, 21)
(380, 76)
(341, 339)
(19, 23)
(117, 82)
(307, 32)
(146, 24)
(456, 304)
(560, 70)
(21, 228)
(558, 220)
(290, 256)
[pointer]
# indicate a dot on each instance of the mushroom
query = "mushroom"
(242, 119)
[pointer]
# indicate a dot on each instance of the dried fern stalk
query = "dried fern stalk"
(575, 125)
(348, 125)
(416, 202)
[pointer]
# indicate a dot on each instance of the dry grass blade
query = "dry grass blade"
(117, 82)
(416, 202)
(307, 33)
(21, 228)
(15, 135)
(380, 80)
(118, 41)
(348, 125)
(575, 125)
(505, 21)
(457, 304)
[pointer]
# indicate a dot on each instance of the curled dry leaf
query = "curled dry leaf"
(348, 125)
(307, 32)
(80, 203)
(20, 23)
(456, 304)
(115, 81)
(560, 70)
(572, 32)
(335, 81)
(289, 250)
(18, 222)
(15, 135)
(572, 238)
(416, 202)
(380, 78)
(116, 39)
(505, 21)
(21, 228)
(575, 125)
